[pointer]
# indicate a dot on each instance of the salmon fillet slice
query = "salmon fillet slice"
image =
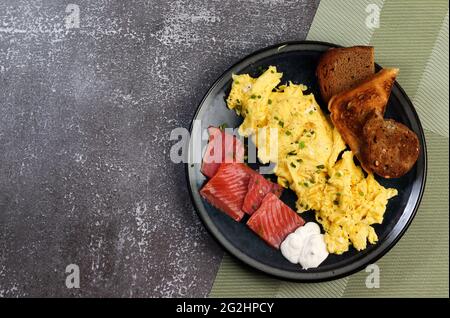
(274, 220)
(222, 147)
(226, 190)
(258, 187)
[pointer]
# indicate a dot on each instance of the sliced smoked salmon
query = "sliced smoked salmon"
(226, 190)
(258, 187)
(274, 220)
(222, 147)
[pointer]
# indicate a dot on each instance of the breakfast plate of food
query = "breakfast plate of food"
(314, 161)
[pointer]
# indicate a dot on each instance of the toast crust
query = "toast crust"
(340, 69)
(390, 148)
(350, 109)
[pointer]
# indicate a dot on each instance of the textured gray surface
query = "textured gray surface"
(85, 118)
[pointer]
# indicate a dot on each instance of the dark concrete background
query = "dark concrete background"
(85, 118)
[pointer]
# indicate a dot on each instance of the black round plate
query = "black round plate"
(297, 61)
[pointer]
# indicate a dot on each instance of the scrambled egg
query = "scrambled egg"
(290, 130)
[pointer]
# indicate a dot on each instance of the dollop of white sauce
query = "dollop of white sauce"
(306, 246)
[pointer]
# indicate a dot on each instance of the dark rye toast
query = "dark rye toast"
(340, 69)
(390, 148)
(349, 109)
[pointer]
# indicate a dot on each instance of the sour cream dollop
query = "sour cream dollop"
(306, 246)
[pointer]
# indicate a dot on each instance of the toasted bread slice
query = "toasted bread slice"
(341, 69)
(349, 110)
(390, 148)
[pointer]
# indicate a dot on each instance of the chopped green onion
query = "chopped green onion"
(302, 144)
(293, 165)
(253, 96)
(223, 126)
(320, 166)
(361, 193)
(288, 132)
(269, 101)
(338, 174)
(281, 123)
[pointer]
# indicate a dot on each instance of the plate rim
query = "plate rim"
(311, 277)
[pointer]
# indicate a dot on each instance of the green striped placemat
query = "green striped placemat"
(411, 35)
